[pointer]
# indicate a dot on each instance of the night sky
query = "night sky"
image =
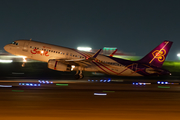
(133, 26)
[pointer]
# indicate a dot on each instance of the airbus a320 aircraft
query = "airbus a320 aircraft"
(68, 59)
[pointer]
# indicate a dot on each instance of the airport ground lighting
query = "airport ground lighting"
(6, 61)
(178, 55)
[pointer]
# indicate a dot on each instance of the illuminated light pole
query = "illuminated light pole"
(84, 48)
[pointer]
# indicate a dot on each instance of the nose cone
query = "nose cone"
(6, 48)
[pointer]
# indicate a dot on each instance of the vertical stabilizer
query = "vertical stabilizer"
(158, 55)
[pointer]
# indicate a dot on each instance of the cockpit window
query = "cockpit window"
(15, 43)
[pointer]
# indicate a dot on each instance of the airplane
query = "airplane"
(67, 59)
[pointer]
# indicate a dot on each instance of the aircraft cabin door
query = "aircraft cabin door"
(135, 66)
(26, 45)
(26, 48)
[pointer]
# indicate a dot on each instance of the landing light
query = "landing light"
(24, 59)
(72, 67)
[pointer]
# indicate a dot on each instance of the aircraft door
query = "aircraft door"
(25, 49)
(134, 66)
(26, 45)
(67, 55)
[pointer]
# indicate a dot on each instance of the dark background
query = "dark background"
(135, 26)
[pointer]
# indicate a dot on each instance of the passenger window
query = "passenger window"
(58, 52)
(30, 46)
(63, 53)
(66, 53)
(49, 50)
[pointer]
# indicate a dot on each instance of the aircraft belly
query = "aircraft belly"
(122, 71)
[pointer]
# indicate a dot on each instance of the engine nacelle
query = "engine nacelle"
(157, 71)
(57, 65)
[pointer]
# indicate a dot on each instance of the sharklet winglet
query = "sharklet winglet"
(111, 55)
(97, 53)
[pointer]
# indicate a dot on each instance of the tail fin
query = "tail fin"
(158, 55)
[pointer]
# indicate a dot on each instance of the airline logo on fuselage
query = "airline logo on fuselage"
(159, 54)
(41, 52)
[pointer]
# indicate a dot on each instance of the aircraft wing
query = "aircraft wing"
(80, 62)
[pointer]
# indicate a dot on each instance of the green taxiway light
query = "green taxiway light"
(163, 86)
(17, 90)
(62, 84)
(108, 91)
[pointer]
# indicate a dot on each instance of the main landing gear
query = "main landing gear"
(79, 75)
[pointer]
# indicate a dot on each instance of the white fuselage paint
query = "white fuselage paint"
(27, 48)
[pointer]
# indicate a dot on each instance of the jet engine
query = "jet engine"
(57, 65)
(157, 71)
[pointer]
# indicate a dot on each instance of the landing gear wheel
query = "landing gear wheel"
(77, 76)
(81, 76)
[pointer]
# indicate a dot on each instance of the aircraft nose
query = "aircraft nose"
(6, 47)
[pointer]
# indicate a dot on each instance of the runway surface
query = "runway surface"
(78, 100)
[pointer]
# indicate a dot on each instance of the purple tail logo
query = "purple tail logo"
(158, 55)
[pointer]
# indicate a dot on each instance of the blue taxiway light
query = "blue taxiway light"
(29, 84)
